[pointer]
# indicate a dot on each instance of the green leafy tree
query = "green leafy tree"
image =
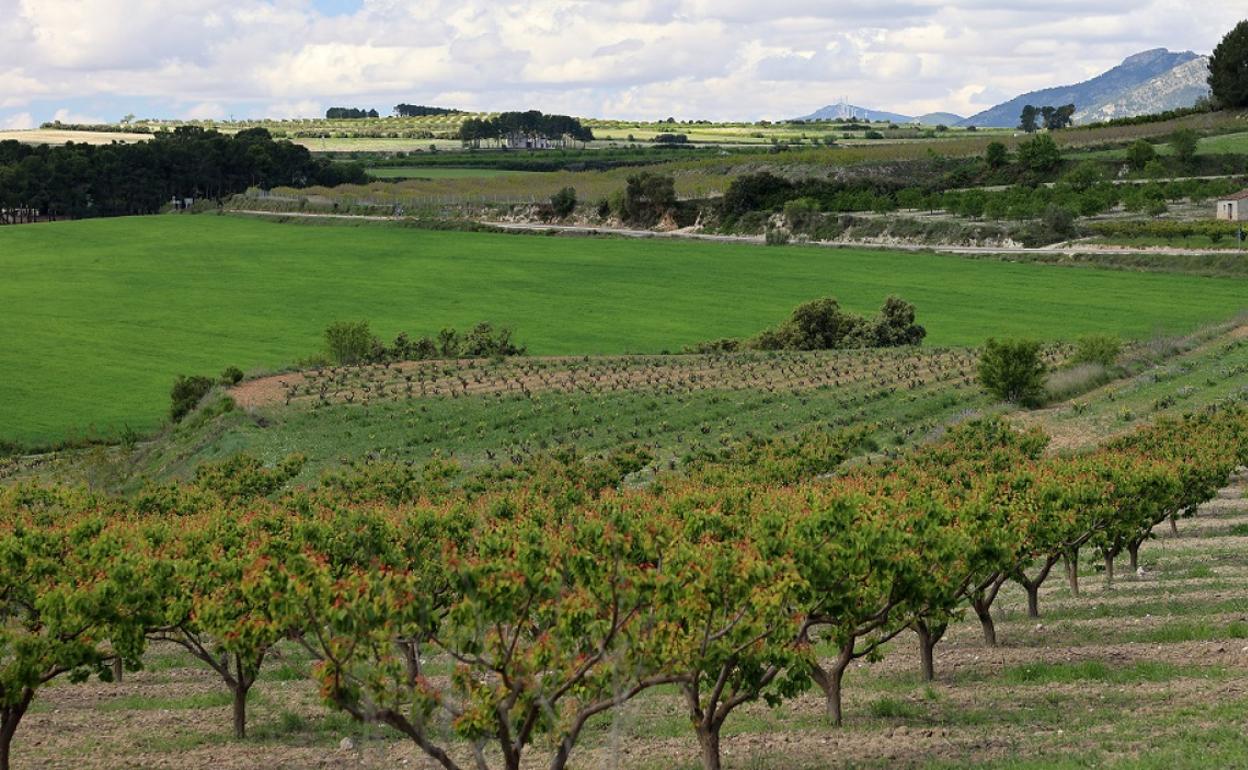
(76, 594)
(1013, 370)
(1029, 120)
(1140, 154)
(648, 197)
(1184, 142)
(1040, 154)
(350, 342)
(1228, 68)
(564, 202)
(996, 155)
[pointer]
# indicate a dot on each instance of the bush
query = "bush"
(1040, 155)
(564, 202)
(997, 155)
(1059, 220)
(186, 394)
(1012, 370)
(647, 199)
(1140, 154)
(1184, 142)
(350, 342)
(1100, 349)
(231, 376)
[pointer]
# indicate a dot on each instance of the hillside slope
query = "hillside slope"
(1149, 81)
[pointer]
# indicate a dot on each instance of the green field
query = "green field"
(422, 172)
(100, 315)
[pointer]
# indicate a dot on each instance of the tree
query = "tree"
(1184, 143)
(1228, 68)
(997, 155)
(1040, 154)
(1140, 154)
(1057, 118)
(1028, 120)
(75, 592)
(648, 198)
(564, 202)
(895, 325)
(1013, 370)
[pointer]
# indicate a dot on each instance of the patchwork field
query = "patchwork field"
(101, 315)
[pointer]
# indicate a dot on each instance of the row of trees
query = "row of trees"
(81, 180)
(517, 128)
(421, 111)
(823, 325)
(555, 597)
(350, 113)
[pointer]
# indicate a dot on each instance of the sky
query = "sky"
(99, 60)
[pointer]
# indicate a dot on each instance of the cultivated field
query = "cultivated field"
(1147, 675)
(101, 315)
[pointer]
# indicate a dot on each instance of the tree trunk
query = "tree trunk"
(929, 636)
(983, 610)
(118, 670)
(1109, 571)
(708, 738)
(240, 711)
(1133, 551)
(10, 718)
(1033, 599)
(1072, 571)
(1174, 527)
(830, 682)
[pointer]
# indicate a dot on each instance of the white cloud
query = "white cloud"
(65, 116)
(18, 122)
(628, 58)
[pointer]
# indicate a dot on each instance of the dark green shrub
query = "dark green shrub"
(1012, 370)
(647, 199)
(564, 202)
(231, 376)
(186, 394)
(1140, 154)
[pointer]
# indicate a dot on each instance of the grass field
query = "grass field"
(101, 315)
(421, 172)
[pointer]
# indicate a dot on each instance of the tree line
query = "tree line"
(515, 127)
(81, 180)
(558, 592)
(421, 111)
(349, 113)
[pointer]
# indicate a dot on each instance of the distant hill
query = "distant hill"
(938, 119)
(854, 112)
(1182, 86)
(1150, 81)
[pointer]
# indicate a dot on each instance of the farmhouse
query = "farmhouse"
(1234, 207)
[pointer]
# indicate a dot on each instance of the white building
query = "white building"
(1234, 207)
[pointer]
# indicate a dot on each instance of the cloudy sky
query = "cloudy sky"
(97, 60)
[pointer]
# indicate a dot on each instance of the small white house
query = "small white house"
(1234, 207)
